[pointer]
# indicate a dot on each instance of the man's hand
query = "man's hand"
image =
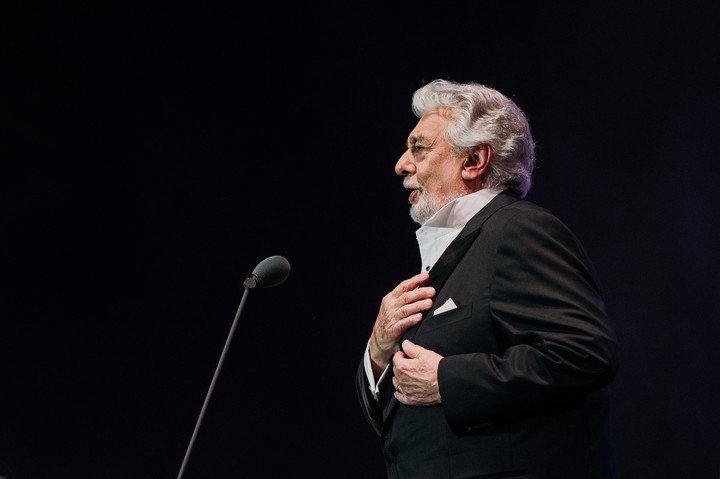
(400, 309)
(416, 375)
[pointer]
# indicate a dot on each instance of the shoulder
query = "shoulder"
(523, 211)
(531, 224)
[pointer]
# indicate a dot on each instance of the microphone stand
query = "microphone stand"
(249, 283)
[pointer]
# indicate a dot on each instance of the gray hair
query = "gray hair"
(482, 115)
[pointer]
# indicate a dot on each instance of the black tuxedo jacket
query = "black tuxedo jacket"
(528, 353)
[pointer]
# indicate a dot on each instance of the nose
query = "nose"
(405, 165)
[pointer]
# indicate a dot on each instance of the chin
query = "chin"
(419, 215)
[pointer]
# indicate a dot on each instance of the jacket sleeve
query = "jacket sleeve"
(548, 313)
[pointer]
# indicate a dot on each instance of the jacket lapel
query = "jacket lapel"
(452, 256)
(444, 267)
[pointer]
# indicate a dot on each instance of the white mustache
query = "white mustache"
(406, 184)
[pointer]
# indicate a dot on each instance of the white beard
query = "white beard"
(426, 206)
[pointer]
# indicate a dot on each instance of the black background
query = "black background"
(153, 154)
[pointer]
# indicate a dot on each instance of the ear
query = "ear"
(476, 162)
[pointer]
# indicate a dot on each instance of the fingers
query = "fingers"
(410, 298)
(406, 301)
(411, 349)
(400, 309)
(399, 395)
(415, 375)
(413, 308)
(413, 283)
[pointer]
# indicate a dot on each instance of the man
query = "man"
(493, 360)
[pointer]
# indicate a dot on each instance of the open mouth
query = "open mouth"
(414, 193)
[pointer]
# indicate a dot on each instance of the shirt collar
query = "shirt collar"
(436, 234)
(459, 211)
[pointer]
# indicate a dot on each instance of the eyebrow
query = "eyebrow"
(412, 140)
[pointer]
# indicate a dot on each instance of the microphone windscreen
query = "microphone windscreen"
(271, 271)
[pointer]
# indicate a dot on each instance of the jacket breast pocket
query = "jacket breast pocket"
(446, 318)
(457, 331)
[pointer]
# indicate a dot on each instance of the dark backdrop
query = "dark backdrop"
(153, 154)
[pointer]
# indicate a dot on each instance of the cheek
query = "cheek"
(434, 181)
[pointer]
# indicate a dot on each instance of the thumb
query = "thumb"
(411, 349)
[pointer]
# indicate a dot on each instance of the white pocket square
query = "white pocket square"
(447, 306)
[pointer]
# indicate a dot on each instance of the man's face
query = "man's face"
(431, 170)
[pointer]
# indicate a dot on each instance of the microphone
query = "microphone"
(269, 272)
